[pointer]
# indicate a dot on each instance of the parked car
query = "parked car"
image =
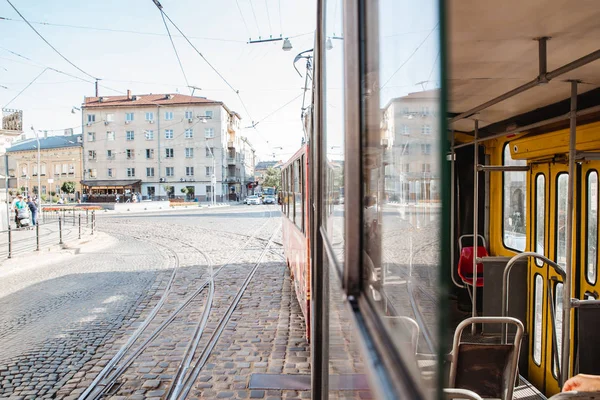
(269, 199)
(254, 199)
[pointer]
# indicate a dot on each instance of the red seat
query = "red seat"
(465, 265)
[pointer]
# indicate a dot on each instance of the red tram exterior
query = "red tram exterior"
(295, 227)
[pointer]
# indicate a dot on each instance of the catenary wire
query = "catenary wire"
(280, 23)
(277, 110)
(176, 53)
(255, 19)
(433, 66)
(25, 88)
(269, 18)
(48, 43)
(243, 19)
(119, 30)
(410, 56)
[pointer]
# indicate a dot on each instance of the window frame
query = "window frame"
(504, 147)
(556, 219)
(189, 171)
(110, 136)
(533, 325)
(587, 230)
(537, 261)
(148, 170)
(189, 152)
(169, 115)
(171, 169)
(109, 173)
(149, 114)
(129, 117)
(189, 133)
(129, 136)
(169, 152)
(131, 172)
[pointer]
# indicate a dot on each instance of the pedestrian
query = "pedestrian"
(33, 209)
(19, 206)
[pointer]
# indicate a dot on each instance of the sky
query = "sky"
(124, 43)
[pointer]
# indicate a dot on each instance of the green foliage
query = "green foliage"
(68, 187)
(52, 194)
(43, 197)
(272, 178)
(184, 190)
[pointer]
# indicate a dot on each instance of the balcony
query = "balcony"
(233, 179)
(230, 144)
(230, 160)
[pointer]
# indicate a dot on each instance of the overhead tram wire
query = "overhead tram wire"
(411, 55)
(280, 23)
(433, 67)
(119, 30)
(278, 109)
(269, 18)
(187, 84)
(48, 43)
(237, 92)
(255, 19)
(25, 88)
(243, 19)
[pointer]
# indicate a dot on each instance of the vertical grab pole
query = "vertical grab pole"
(79, 226)
(475, 220)
(37, 236)
(568, 290)
(9, 241)
(452, 172)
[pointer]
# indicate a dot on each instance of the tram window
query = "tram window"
(562, 193)
(558, 307)
(540, 216)
(591, 257)
(537, 325)
(514, 189)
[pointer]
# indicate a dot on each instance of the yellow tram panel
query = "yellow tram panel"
(550, 144)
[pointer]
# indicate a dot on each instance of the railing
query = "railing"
(52, 228)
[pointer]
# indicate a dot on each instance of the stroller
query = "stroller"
(23, 218)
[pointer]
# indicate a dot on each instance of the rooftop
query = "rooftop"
(52, 142)
(266, 164)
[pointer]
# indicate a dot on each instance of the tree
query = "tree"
(272, 178)
(68, 187)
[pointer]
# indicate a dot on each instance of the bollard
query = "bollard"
(79, 226)
(9, 241)
(37, 236)
(87, 221)
(73, 217)
(93, 221)
(60, 230)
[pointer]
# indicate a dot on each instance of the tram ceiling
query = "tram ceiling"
(493, 51)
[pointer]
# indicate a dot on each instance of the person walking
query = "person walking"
(34, 210)
(19, 206)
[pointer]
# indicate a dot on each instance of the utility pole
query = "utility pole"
(158, 155)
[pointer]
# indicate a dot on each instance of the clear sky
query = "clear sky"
(143, 59)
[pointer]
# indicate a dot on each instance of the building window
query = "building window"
(57, 166)
(129, 135)
(91, 155)
(425, 111)
(35, 171)
(130, 172)
(168, 153)
(150, 172)
(426, 168)
(209, 132)
(189, 152)
(91, 118)
(128, 117)
(189, 171)
(130, 154)
(514, 194)
(110, 117)
(109, 173)
(426, 148)
(168, 133)
(208, 113)
(189, 133)
(209, 171)
(71, 169)
(170, 171)
(209, 152)
(149, 116)
(426, 129)
(110, 155)
(93, 174)
(110, 136)
(149, 135)
(169, 116)
(189, 115)
(91, 136)
(405, 130)
(149, 153)
(43, 190)
(43, 168)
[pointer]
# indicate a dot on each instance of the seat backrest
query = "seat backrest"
(482, 368)
(465, 262)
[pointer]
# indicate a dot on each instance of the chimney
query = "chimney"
(128, 94)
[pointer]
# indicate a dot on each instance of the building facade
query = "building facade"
(163, 146)
(409, 133)
(61, 160)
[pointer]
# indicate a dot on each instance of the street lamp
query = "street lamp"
(39, 197)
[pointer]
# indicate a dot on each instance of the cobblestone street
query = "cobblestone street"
(123, 310)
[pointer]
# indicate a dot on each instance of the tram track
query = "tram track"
(106, 383)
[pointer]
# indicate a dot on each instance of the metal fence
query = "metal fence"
(53, 228)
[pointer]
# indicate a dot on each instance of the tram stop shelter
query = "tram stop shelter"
(106, 191)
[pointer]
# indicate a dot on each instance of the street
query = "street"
(133, 300)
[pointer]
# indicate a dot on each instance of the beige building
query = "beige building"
(60, 162)
(163, 145)
(410, 135)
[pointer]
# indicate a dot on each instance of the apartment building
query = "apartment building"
(163, 146)
(409, 134)
(60, 161)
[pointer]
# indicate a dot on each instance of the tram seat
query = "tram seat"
(490, 370)
(460, 394)
(465, 262)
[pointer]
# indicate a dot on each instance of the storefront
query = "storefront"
(111, 191)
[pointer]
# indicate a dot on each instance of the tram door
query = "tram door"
(588, 273)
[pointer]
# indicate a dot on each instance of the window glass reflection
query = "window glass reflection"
(562, 194)
(401, 183)
(540, 217)
(592, 227)
(514, 211)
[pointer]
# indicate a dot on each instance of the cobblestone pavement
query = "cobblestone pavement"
(67, 315)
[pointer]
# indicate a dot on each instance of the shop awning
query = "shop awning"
(111, 183)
